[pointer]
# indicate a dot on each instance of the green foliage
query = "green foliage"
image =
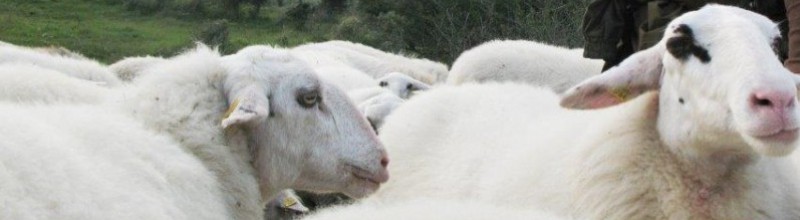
(436, 29)
(107, 31)
(299, 14)
(442, 29)
(216, 34)
(378, 31)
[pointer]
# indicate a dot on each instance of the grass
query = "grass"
(106, 31)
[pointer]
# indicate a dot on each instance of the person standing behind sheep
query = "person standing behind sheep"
(615, 29)
(793, 37)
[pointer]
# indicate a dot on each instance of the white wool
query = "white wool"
(79, 68)
(129, 68)
(29, 83)
(375, 103)
(525, 62)
(419, 64)
(61, 51)
(346, 78)
(426, 208)
(374, 62)
(692, 150)
(320, 58)
(166, 148)
(378, 107)
(61, 162)
(182, 96)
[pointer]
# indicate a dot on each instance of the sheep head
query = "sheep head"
(721, 86)
(305, 133)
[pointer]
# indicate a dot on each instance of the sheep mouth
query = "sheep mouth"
(364, 175)
(783, 135)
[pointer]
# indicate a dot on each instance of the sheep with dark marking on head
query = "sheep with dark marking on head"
(402, 85)
(202, 137)
(695, 127)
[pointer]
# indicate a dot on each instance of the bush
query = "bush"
(145, 6)
(299, 14)
(216, 34)
(442, 29)
(382, 31)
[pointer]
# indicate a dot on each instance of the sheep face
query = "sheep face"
(307, 133)
(721, 87)
(402, 85)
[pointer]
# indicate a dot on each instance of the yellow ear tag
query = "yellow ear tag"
(621, 93)
(232, 108)
(288, 202)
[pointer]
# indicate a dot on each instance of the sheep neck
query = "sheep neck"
(708, 172)
(194, 122)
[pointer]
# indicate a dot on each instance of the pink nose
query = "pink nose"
(384, 161)
(772, 100)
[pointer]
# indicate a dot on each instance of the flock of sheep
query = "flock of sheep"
(700, 126)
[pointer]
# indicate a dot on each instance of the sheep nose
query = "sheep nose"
(384, 161)
(772, 100)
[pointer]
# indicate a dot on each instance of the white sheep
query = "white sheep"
(61, 51)
(375, 103)
(21, 82)
(706, 145)
(79, 68)
(131, 67)
(419, 64)
(346, 78)
(375, 65)
(201, 137)
(523, 61)
(426, 208)
(402, 85)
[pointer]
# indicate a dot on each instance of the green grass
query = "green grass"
(106, 31)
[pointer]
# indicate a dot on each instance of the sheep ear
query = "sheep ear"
(640, 73)
(249, 105)
(420, 86)
(292, 202)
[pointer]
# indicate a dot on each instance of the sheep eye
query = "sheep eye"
(308, 100)
(383, 84)
(409, 87)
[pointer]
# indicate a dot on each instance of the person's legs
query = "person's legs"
(793, 38)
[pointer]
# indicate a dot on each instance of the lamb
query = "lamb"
(402, 85)
(695, 127)
(424, 208)
(131, 67)
(28, 83)
(375, 65)
(179, 154)
(523, 61)
(79, 68)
